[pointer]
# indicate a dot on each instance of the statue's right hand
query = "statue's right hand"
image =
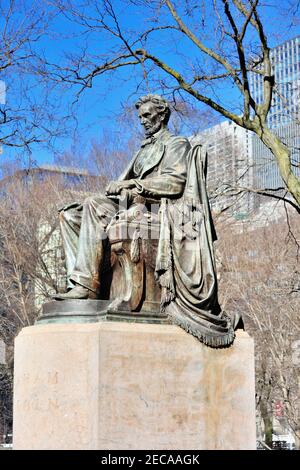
(113, 188)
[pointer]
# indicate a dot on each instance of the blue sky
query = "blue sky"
(98, 107)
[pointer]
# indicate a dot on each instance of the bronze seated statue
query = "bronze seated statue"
(145, 249)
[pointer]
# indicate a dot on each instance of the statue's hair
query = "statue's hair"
(159, 102)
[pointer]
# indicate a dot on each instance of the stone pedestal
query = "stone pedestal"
(134, 386)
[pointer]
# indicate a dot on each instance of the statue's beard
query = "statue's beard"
(153, 129)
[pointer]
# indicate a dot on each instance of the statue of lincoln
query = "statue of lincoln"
(168, 172)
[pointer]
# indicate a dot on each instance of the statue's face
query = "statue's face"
(150, 119)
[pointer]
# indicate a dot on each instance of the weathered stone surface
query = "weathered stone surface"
(131, 386)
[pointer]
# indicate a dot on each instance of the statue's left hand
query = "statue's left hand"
(115, 187)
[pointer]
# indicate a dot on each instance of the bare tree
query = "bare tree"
(226, 40)
(31, 253)
(5, 401)
(31, 111)
(260, 279)
(22, 265)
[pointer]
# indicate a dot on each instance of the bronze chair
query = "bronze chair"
(133, 237)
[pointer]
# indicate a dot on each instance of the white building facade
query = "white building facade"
(230, 168)
(284, 115)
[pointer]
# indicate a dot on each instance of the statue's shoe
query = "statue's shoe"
(78, 292)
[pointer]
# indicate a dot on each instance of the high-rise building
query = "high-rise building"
(229, 166)
(266, 171)
(284, 115)
(285, 106)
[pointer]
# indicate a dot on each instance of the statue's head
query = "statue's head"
(154, 113)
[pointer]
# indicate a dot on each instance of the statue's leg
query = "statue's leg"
(95, 216)
(70, 223)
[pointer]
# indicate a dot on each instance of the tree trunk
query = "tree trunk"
(268, 424)
(283, 158)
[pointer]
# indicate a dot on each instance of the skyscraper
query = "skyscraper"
(284, 115)
(286, 98)
(229, 166)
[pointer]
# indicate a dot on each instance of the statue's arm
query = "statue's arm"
(115, 187)
(171, 180)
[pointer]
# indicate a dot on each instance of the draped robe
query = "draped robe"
(175, 175)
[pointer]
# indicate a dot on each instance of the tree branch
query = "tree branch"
(187, 87)
(202, 47)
